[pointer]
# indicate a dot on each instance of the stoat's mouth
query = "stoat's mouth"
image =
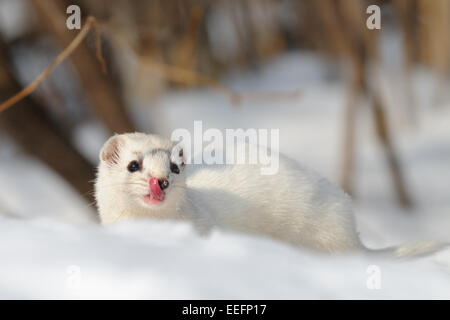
(150, 199)
(156, 194)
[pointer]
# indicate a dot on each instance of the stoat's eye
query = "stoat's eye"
(174, 168)
(133, 166)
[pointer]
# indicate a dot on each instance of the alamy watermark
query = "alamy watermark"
(74, 19)
(237, 146)
(374, 279)
(374, 20)
(73, 280)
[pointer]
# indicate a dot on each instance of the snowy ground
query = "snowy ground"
(51, 248)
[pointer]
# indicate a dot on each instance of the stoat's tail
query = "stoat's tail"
(412, 250)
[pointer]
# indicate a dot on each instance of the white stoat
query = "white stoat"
(142, 175)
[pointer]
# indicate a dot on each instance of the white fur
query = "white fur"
(295, 205)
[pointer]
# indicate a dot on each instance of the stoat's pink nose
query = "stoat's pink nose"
(155, 189)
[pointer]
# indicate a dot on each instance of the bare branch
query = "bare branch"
(90, 23)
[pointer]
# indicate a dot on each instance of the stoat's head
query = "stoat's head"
(139, 175)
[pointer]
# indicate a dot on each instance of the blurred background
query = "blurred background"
(368, 109)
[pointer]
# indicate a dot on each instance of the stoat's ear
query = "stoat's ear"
(110, 150)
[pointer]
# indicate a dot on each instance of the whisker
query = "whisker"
(123, 184)
(178, 186)
(92, 204)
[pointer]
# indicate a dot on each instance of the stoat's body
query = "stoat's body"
(142, 175)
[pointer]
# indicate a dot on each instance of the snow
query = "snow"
(151, 259)
(50, 246)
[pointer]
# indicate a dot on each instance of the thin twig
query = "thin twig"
(191, 77)
(195, 78)
(90, 23)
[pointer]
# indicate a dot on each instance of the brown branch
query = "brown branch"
(34, 130)
(105, 99)
(392, 159)
(194, 78)
(90, 23)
